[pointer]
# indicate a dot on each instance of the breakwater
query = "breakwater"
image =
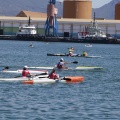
(60, 39)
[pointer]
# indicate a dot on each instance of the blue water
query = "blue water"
(97, 98)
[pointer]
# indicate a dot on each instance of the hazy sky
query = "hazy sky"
(97, 3)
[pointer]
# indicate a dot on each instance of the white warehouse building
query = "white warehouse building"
(10, 25)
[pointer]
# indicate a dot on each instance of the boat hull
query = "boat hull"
(77, 68)
(23, 78)
(68, 79)
(44, 79)
(74, 55)
(31, 71)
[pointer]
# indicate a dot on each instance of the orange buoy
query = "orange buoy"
(71, 79)
(28, 82)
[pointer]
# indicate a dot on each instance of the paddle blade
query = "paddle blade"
(6, 67)
(66, 79)
(75, 62)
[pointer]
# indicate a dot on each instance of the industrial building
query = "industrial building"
(80, 9)
(10, 25)
(70, 23)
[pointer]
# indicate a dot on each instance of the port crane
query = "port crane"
(51, 24)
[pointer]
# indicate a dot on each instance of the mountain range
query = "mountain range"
(13, 7)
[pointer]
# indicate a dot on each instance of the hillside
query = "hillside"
(107, 11)
(15, 6)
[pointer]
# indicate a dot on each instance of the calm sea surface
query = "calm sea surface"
(97, 98)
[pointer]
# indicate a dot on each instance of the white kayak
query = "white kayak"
(44, 79)
(93, 56)
(20, 71)
(24, 78)
(70, 68)
(68, 79)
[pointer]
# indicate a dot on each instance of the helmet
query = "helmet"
(61, 59)
(25, 66)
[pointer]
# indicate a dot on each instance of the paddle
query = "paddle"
(75, 62)
(5, 68)
(66, 79)
(41, 74)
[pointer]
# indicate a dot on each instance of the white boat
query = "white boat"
(68, 79)
(94, 31)
(70, 68)
(20, 71)
(88, 45)
(31, 45)
(24, 78)
(27, 29)
(93, 56)
(44, 79)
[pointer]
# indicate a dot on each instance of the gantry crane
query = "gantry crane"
(51, 24)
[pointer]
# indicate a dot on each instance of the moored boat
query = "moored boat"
(27, 32)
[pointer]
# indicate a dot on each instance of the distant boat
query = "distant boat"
(88, 45)
(31, 45)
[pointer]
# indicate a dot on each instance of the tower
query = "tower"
(117, 11)
(51, 25)
(81, 9)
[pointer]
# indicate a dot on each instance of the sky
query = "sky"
(96, 3)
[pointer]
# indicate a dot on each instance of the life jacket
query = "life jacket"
(59, 65)
(25, 73)
(52, 76)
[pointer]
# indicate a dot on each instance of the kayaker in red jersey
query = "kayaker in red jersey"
(53, 75)
(25, 72)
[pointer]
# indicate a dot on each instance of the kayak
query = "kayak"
(44, 79)
(76, 68)
(20, 71)
(68, 79)
(74, 55)
(88, 68)
(24, 78)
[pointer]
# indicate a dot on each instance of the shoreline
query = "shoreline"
(60, 39)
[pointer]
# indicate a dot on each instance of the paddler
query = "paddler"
(6, 68)
(25, 72)
(61, 64)
(85, 53)
(71, 49)
(70, 54)
(53, 75)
